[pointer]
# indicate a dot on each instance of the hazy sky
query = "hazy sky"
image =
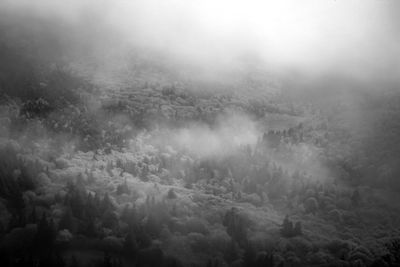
(360, 38)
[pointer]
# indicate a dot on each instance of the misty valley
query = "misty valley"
(115, 154)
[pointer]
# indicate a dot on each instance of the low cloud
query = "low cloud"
(230, 133)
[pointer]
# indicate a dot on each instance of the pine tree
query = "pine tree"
(288, 230)
(123, 188)
(46, 233)
(33, 216)
(91, 208)
(171, 194)
(355, 197)
(297, 229)
(287, 227)
(76, 203)
(249, 255)
(52, 232)
(91, 229)
(73, 262)
(106, 204)
(67, 221)
(107, 260)
(231, 253)
(130, 244)
(235, 226)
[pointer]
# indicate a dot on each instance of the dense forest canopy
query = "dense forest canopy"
(199, 133)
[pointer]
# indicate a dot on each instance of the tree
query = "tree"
(213, 263)
(109, 219)
(91, 209)
(73, 262)
(142, 238)
(106, 204)
(107, 260)
(355, 197)
(130, 244)
(297, 229)
(249, 255)
(265, 260)
(75, 200)
(287, 227)
(91, 229)
(235, 226)
(144, 172)
(33, 216)
(171, 193)
(46, 234)
(288, 230)
(232, 252)
(67, 221)
(123, 188)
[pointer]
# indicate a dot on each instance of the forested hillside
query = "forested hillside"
(111, 158)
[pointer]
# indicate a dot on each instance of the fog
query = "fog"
(356, 39)
(199, 133)
(229, 134)
(327, 52)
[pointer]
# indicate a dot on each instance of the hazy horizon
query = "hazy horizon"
(352, 39)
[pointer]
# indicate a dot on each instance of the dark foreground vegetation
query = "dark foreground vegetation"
(155, 173)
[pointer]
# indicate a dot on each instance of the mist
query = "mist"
(329, 54)
(351, 39)
(231, 133)
(199, 133)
